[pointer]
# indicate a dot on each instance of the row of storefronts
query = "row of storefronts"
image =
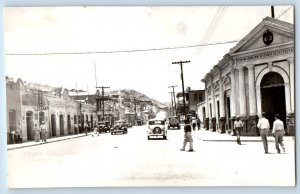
(28, 106)
(255, 76)
(63, 112)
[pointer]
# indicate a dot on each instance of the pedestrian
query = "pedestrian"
(278, 131)
(187, 136)
(37, 132)
(238, 125)
(85, 127)
(194, 123)
(198, 123)
(95, 131)
(43, 131)
(264, 126)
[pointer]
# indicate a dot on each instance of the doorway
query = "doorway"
(61, 124)
(69, 124)
(29, 125)
(273, 97)
(53, 124)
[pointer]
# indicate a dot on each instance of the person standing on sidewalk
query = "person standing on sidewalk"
(194, 123)
(85, 127)
(278, 131)
(238, 125)
(43, 131)
(198, 123)
(264, 126)
(36, 133)
(187, 136)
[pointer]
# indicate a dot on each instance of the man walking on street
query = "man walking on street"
(187, 136)
(278, 131)
(238, 128)
(264, 126)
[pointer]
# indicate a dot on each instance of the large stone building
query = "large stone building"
(255, 76)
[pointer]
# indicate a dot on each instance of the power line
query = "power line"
(284, 12)
(127, 51)
(212, 27)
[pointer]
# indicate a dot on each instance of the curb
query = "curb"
(234, 140)
(41, 143)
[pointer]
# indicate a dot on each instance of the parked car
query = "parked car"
(156, 128)
(119, 127)
(103, 126)
(173, 122)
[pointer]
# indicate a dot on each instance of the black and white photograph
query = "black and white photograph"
(150, 96)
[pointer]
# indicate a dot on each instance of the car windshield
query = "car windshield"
(157, 122)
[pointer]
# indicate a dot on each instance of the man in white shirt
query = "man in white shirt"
(264, 126)
(278, 131)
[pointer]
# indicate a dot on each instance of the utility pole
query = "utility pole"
(102, 99)
(182, 82)
(172, 107)
(272, 12)
(174, 99)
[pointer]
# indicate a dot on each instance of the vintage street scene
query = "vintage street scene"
(150, 96)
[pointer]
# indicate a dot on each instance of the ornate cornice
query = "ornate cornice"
(266, 54)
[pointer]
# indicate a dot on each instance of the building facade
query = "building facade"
(28, 105)
(255, 76)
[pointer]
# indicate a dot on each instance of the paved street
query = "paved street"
(132, 160)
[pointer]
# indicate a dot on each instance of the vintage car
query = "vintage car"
(156, 128)
(173, 122)
(103, 126)
(119, 127)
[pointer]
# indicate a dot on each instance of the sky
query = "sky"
(48, 33)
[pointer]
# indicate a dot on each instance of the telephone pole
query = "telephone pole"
(174, 99)
(102, 99)
(182, 82)
(172, 107)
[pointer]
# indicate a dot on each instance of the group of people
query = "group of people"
(40, 133)
(264, 126)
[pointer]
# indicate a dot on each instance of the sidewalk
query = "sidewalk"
(206, 135)
(50, 140)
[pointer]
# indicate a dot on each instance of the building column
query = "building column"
(292, 83)
(232, 94)
(222, 119)
(252, 119)
(213, 98)
(290, 120)
(242, 94)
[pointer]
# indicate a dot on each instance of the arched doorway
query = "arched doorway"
(61, 124)
(29, 125)
(69, 124)
(273, 97)
(53, 124)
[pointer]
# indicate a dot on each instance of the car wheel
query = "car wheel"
(164, 137)
(111, 133)
(148, 138)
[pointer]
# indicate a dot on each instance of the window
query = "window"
(195, 97)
